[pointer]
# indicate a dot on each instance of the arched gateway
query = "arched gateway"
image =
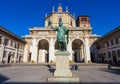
(43, 51)
(77, 47)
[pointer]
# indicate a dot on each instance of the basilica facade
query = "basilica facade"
(41, 43)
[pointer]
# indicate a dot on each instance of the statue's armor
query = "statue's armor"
(61, 35)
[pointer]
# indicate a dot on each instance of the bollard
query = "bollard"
(109, 66)
(76, 67)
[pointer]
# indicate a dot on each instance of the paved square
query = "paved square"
(38, 74)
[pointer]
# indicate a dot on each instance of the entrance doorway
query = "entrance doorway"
(76, 47)
(114, 58)
(29, 57)
(20, 59)
(9, 57)
(43, 56)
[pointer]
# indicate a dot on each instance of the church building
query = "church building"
(41, 43)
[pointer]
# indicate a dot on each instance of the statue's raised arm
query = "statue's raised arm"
(52, 26)
(61, 32)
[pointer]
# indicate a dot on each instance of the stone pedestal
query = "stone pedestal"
(62, 64)
(62, 73)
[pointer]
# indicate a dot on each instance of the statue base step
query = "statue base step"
(63, 80)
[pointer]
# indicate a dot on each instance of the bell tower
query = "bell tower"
(83, 21)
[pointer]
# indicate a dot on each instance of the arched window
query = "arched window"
(0, 39)
(49, 22)
(71, 23)
(60, 19)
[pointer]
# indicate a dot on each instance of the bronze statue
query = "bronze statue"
(61, 32)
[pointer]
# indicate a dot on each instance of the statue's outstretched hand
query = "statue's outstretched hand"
(50, 23)
(52, 26)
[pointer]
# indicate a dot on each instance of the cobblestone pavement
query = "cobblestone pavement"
(39, 74)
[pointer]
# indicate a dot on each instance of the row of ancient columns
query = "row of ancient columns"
(34, 56)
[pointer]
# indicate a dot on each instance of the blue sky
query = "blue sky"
(19, 15)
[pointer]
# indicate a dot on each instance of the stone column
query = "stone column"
(25, 57)
(39, 56)
(106, 51)
(2, 50)
(51, 50)
(96, 53)
(15, 55)
(6, 57)
(69, 48)
(87, 50)
(1, 53)
(82, 53)
(34, 55)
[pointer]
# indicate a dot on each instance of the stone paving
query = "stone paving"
(38, 74)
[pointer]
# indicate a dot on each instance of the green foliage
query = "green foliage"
(32, 61)
(51, 61)
(70, 61)
(89, 62)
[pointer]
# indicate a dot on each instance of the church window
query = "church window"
(0, 39)
(5, 52)
(113, 53)
(14, 45)
(104, 55)
(103, 45)
(17, 55)
(11, 44)
(117, 40)
(109, 54)
(112, 43)
(118, 52)
(108, 44)
(60, 19)
(49, 23)
(71, 22)
(13, 55)
(6, 42)
(18, 46)
(83, 19)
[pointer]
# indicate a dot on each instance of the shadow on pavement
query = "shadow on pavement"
(56, 83)
(3, 78)
(113, 70)
(51, 69)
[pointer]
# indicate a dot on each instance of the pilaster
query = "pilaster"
(1, 52)
(82, 53)
(25, 57)
(34, 51)
(69, 48)
(87, 50)
(51, 50)
(15, 58)
(6, 57)
(2, 48)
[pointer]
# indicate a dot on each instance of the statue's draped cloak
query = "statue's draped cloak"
(62, 31)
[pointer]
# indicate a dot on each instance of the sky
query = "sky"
(18, 16)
